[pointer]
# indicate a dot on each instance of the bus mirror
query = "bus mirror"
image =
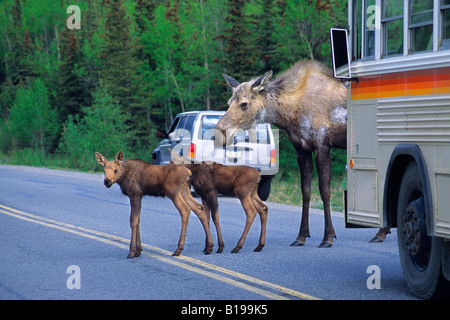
(340, 54)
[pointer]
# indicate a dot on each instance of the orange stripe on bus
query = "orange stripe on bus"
(411, 83)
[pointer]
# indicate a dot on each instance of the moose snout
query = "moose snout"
(224, 134)
(107, 183)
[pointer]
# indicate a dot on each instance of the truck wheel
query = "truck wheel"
(264, 187)
(155, 157)
(419, 253)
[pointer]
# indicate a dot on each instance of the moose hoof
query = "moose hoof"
(236, 250)
(208, 250)
(327, 241)
(134, 254)
(326, 244)
(376, 239)
(298, 243)
(176, 253)
(258, 248)
(220, 250)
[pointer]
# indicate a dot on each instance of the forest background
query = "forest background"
(134, 64)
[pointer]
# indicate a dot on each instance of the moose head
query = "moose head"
(246, 106)
(111, 168)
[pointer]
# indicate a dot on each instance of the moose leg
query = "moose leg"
(211, 202)
(304, 159)
(381, 235)
(199, 210)
(250, 211)
(208, 217)
(135, 245)
(184, 211)
(323, 163)
(263, 213)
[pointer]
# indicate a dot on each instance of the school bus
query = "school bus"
(394, 56)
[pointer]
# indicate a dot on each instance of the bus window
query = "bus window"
(421, 25)
(369, 29)
(356, 35)
(392, 24)
(445, 23)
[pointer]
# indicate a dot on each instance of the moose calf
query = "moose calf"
(137, 178)
(209, 180)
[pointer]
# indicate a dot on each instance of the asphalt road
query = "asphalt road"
(63, 235)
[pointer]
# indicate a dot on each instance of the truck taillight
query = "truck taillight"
(273, 156)
(192, 151)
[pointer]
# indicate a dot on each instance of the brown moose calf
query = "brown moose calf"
(137, 178)
(242, 182)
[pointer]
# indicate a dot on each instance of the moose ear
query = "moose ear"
(232, 83)
(100, 159)
(119, 157)
(261, 83)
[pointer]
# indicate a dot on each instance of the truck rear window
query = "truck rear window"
(209, 122)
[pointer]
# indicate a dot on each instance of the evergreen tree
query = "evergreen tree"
(71, 91)
(118, 54)
(17, 56)
(164, 42)
(145, 13)
(240, 54)
(265, 41)
(120, 69)
(144, 19)
(88, 65)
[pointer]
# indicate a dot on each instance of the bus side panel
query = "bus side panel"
(442, 227)
(363, 198)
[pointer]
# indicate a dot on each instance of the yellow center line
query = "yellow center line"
(184, 262)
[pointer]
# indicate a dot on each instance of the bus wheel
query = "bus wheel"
(419, 253)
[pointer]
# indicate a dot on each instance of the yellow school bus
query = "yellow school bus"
(394, 56)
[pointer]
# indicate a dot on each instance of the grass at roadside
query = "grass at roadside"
(36, 158)
(289, 192)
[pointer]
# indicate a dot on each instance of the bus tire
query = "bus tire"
(420, 254)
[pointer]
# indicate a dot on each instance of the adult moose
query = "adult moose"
(311, 106)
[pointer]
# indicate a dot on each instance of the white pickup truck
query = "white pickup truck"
(192, 135)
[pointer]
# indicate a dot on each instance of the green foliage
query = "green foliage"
(288, 160)
(6, 136)
(72, 91)
(238, 41)
(102, 129)
(33, 122)
(155, 58)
